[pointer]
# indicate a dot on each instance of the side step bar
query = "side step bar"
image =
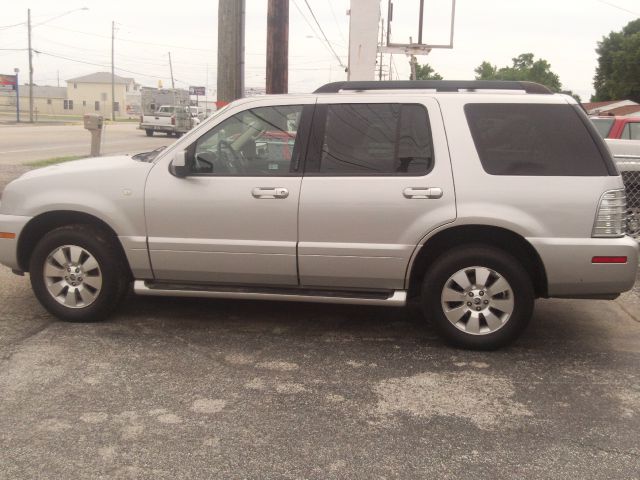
(397, 298)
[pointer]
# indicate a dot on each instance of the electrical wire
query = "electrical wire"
(335, 18)
(619, 7)
(324, 35)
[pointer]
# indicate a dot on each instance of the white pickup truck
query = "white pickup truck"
(168, 119)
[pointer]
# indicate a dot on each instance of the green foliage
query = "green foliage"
(55, 160)
(425, 72)
(618, 72)
(524, 68)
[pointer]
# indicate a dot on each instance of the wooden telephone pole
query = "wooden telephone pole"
(231, 15)
(278, 46)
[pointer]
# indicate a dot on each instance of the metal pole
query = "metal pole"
(421, 19)
(17, 96)
(30, 67)
(381, 42)
(173, 84)
(113, 74)
(230, 83)
(278, 46)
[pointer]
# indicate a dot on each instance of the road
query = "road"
(20, 144)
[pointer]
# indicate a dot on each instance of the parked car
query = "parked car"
(468, 200)
(627, 128)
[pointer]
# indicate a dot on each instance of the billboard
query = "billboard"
(200, 91)
(8, 82)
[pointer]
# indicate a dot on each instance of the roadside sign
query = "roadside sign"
(199, 91)
(8, 82)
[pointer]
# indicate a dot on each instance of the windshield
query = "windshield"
(603, 125)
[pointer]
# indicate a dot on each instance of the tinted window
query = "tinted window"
(603, 125)
(256, 142)
(376, 139)
(631, 131)
(532, 139)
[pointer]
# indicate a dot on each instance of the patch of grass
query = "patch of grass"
(54, 161)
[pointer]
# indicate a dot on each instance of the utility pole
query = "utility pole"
(173, 84)
(278, 46)
(413, 62)
(30, 67)
(113, 72)
(231, 15)
(380, 48)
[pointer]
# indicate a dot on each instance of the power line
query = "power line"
(324, 35)
(335, 18)
(619, 7)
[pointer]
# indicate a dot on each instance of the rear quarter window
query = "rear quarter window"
(534, 140)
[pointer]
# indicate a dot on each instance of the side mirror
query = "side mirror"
(179, 164)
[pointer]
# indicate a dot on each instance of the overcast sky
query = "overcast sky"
(564, 32)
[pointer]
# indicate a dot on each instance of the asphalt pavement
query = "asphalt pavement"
(23, 143)
(187, 388)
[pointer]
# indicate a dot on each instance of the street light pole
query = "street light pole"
(30, 67)
(113, 75)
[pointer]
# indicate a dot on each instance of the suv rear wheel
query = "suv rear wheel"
(77, 273)
(478, 297)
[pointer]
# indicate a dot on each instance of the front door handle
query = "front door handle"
(270, 192)
(422, 192)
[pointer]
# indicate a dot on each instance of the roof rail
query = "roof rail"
(438, 85)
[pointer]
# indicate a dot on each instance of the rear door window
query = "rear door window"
(533, 139)
(374, 139)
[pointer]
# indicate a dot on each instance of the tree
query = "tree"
(425, 72)
(618, 72)
(524, 68)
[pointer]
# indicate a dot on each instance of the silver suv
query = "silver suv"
(473, 198)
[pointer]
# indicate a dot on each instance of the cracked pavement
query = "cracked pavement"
(188, 388)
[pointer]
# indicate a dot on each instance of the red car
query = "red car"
(627, 128)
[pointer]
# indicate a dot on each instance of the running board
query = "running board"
(397, 298)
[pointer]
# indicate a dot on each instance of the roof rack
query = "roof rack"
(438, 85)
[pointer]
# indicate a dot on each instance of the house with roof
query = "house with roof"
(46, 100)
(622, 108)
(92, 94)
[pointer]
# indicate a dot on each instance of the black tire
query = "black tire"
(149, 132)
(115, 276)
(501, 262)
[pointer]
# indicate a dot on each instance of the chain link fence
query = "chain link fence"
(631, 181)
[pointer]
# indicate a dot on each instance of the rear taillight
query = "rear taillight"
(173, 120)
(611, 216)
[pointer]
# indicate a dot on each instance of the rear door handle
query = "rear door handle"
(422, 192)
(270, 192)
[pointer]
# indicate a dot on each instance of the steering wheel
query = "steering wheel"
(200, 162)
(233, 161)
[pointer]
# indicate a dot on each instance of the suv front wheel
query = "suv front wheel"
(478, 297)
(78, 274)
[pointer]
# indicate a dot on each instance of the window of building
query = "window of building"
(48, 101)
(75, 85)
(631, 131)
(376, 139)
(533, 139)
(97, 106)
(84, 103)
(68, 105)
(116, 106)
(127, 88)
